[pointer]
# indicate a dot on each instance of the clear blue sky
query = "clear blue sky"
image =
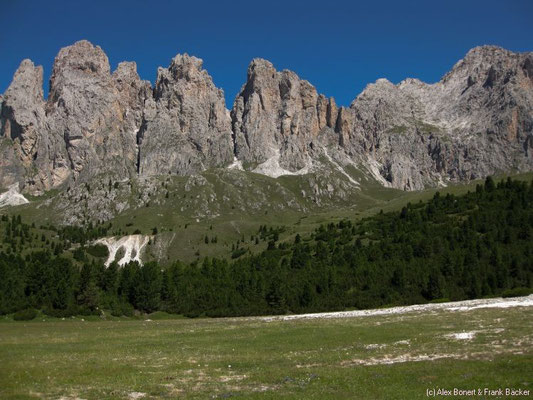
(339, 46)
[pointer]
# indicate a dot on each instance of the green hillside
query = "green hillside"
(450, 247)
(226, 206)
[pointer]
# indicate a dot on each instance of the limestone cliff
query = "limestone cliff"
(477, 120)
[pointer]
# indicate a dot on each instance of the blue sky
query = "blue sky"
(339, 46)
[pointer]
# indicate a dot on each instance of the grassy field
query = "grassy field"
(397, 356)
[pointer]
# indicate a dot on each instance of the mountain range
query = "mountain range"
(96, 124)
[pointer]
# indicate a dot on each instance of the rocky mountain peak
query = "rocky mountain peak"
(484, 65)
(487, 53)
(184, 66)
(89, 108)
(77, 64)
(187, 128)
(446, 130)
(82, 56)
(126, 72)
(23, 98)
(259, 68)
(277, 118)
(23, 128)
(185, 77)
(27, 83)
(261, 77)
(132, 93)
(371, 90)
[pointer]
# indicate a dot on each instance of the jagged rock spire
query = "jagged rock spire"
(278, 115)
(187, 127)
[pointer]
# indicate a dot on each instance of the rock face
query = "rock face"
(277, 118)
(33, 155)
(477, 120)
(97, 113)
(23, 110)
(95, 123)
(186, 128)
(21, 121)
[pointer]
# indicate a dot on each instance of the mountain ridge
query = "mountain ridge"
(476, 121)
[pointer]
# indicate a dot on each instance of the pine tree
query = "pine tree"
(147, 288)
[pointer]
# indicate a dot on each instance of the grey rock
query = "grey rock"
(278, 115)
(86, 108)
(187, 128)
(22, 115)
(132, 94)
(476, 121)
(31, 155)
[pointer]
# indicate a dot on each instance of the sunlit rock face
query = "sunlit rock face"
(98, 114)
(187, 128)
(476, 121)
(280, 118)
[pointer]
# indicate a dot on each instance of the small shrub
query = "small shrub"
(192, 314)
(121, 252)
(71, 310)
(79, 254)
(25, 315)
(517, 292)
(122, 308)
(441, 300)
(86, 311)
(238, 252)
(98, 250)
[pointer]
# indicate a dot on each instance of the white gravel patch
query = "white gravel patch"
(272, 168)
(406, 342)
(466, 305)
(387, 360)
(12, 197)
(236, 164)
(373, 168)
(373, 346)
(133, 246)
(504, 303)
(462, 335)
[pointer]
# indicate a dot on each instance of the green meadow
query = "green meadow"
(398, 356)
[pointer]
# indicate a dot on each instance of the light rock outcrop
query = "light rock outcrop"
(12, 197)
(125, 249)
